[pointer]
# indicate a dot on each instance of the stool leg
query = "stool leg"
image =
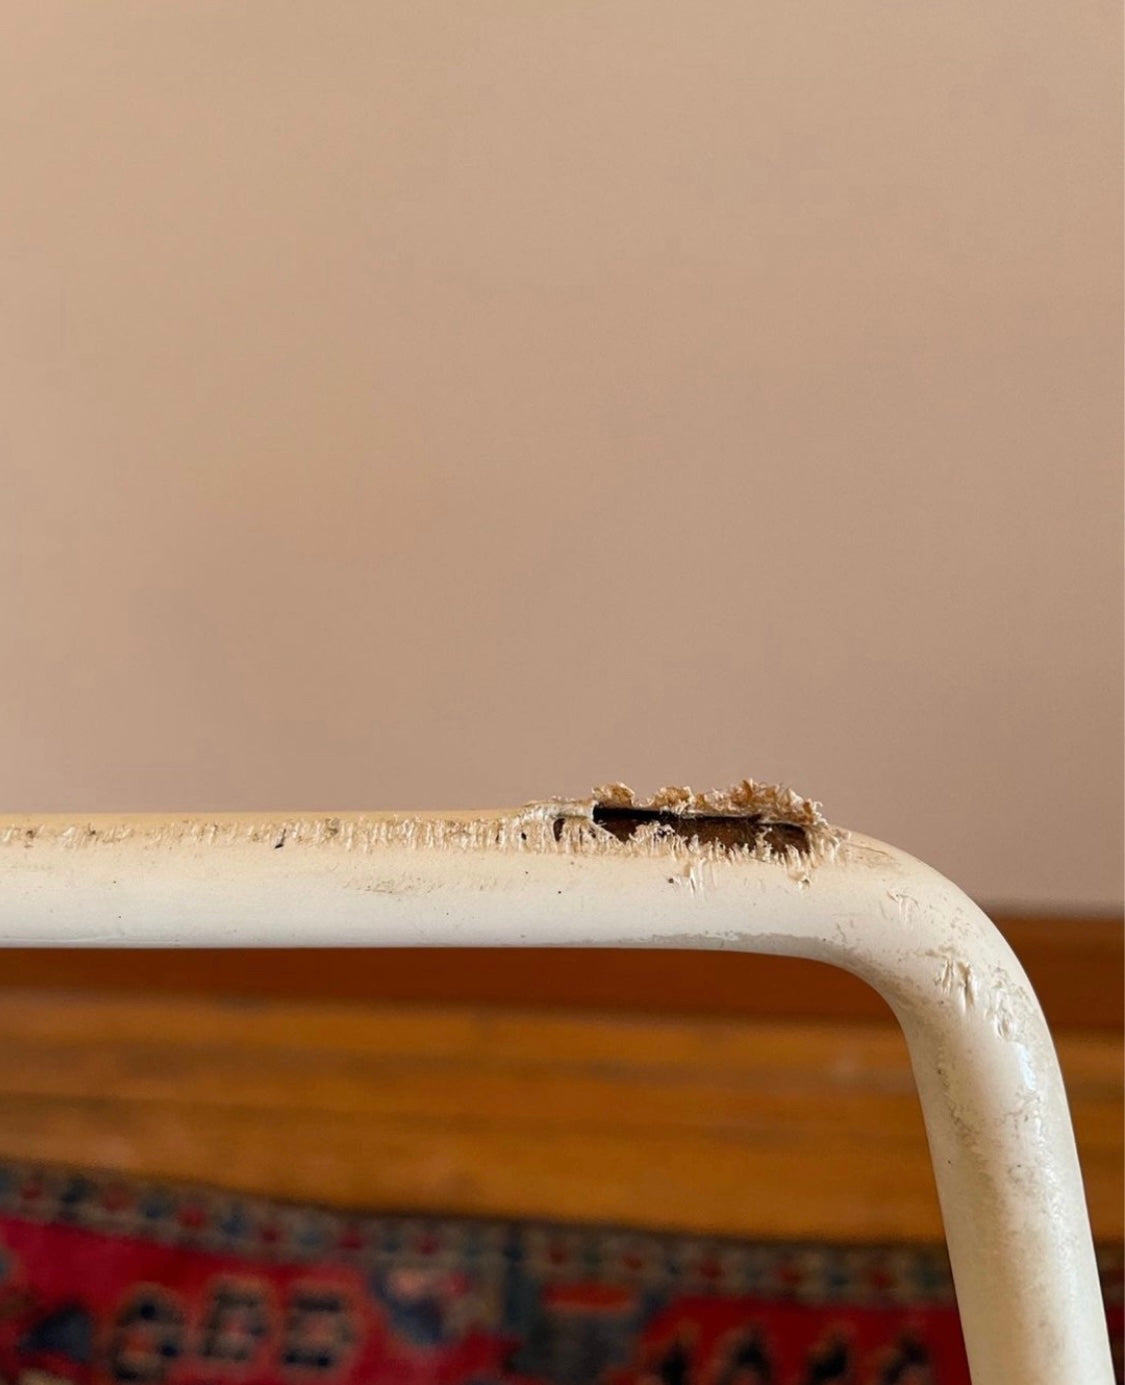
(995, 1109)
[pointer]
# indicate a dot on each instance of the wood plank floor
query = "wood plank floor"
(756, 1128)
(1076, 965)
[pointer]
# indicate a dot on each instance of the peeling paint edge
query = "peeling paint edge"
(552, 826)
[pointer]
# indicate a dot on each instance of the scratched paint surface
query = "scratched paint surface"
(680, 816)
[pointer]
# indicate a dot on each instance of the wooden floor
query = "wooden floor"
(759, 1096)
(1075, 963)
(752, 1127)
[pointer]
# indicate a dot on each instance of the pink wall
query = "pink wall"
(418, 404)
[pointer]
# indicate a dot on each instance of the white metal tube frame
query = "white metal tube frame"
(754, 870)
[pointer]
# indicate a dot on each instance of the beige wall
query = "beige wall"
(414, 404)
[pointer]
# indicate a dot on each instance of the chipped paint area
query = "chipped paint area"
(957, 979)
(759, 821)
(749, 820)
(994, 995)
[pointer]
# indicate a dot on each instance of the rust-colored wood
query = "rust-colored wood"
(1076, 966)
(744, 1128)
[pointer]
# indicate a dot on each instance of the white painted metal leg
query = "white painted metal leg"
(756, 870)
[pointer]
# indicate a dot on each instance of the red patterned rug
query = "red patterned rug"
(105, 1281)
